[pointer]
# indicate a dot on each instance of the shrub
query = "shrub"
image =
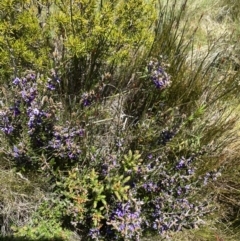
(114, 196)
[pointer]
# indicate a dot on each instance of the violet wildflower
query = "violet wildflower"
(28, 95)
(181, 163)
(24, 94)
(94, 233)
(16, 111)
(158, 75)
(150, 156)
(88, 98)
(15, 152)
(71, 155)
(81, 132)
(5, 124)
(7, 129)
(119, 142)
(36, 111)
(126, 220)
(16, 81)
(24, 81)
(31, 122)
(50, 86)
(32, 76)
(213, 175)
(55, 144)
(190, 171)
(55, 77)
(179, 191)
(150, 187)
(15, 108)
(86, 102)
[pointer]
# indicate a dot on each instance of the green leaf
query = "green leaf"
(118, 196)
(95, 204)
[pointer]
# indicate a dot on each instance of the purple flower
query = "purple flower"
(150, 156)
(29, 96)
(15, 152)
(155, 226)
(119, 142)
(7, 129)
(86, 99)
(56, 144)
(157, 74)
(159, 83)
(126, 218)
(81, 132)
(150, 187)
(181, 163)
(71, 155)
(24, 81)
(94, 233)
(15, 109)
(32, 76)
(190, 171)
(179, 191)
(31, 122)
(16, 81)
(50, 86)
(24, 94)
(119, 212)
(86, 102)
(36, 111)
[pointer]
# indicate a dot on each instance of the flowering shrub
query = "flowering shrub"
(31, 123)
(124, 204)
(118, 199)
(118, 196)
(158, 75)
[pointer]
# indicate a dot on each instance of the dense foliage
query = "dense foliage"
(101, 110)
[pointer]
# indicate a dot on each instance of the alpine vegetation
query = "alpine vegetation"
(105, 118)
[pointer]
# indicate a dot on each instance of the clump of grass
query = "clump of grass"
(19, 198)
(232, 7)
(217, 122)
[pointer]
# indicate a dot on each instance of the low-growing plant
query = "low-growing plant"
(44, 224)
(107, 197)
(119, 195)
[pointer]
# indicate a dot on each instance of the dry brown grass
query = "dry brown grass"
(19, 198)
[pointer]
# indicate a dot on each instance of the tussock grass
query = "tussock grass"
(215, 40)
(19, 198)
